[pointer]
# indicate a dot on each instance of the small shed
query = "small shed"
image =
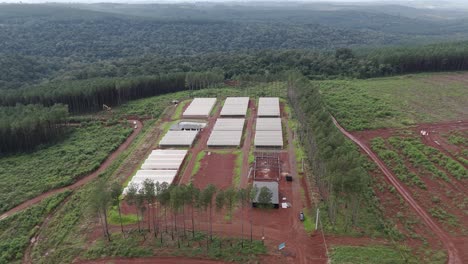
(273, 186)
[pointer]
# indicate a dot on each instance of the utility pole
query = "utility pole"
(317, 219)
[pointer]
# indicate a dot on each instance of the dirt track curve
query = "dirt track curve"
(83, 180)
(453, 254)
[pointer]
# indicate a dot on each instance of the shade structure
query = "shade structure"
(268, 124)
(268, 138)
(155, 176)
(164, 159)
(162, 165)
(272, 186)
(229, 124)
(268, 107)
(199, 108)
(182, 138)
(235, 106)
(223, 138)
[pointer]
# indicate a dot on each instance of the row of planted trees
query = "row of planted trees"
(91, 94)
(166, 209)
(337, 166)
(22, 127)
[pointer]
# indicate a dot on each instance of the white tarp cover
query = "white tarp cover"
(268, 106)
(178, 138)
(199, 107)
(268, 124)
(220, 138)
(235, 106)
(161, 166)
(269, 138)
(229, 124)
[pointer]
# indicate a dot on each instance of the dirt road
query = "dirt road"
(83, 180)
(453, 254)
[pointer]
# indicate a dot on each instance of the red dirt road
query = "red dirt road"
(453, 254)
(83, 180)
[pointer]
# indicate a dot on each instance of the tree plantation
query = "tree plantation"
(24, 127)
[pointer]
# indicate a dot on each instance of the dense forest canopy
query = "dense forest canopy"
(61, 42)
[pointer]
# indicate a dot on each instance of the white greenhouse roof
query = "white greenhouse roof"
(199, 107)
(229, 124)
(161, 166)
(268, 106)
(178, 138)
(169, 152)
(268, 124)
(235, 106)
(220, 138)
(269, 138)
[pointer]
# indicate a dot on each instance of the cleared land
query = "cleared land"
(397, 101)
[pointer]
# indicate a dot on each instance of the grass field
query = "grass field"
(24, 176)
(365, 255)
(15, 231)
(395, 101)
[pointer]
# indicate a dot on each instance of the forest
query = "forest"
(23, 127)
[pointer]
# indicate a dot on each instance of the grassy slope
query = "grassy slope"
(27, 175)
(396, 101)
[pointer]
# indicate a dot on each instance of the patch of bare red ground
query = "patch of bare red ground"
(216, 169)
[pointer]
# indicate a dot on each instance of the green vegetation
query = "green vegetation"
(180, 107)
(308, 222)
(16, 230)
(444, 216)
(365, 255)
(411, 149)
(134, 246)
(127, 219)
(396, 101)
(24, 176)
(458, 138)
(396, 163)
(350, 203)
(198, 160)
(238, 167)
(22, 127)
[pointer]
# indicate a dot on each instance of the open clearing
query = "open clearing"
(397, 101)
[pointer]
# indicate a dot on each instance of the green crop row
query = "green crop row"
(411, 149)
(396, 163)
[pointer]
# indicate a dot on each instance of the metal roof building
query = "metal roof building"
(268, 124)
(223, 138)
(174, 138)
(229, 124)
(269, 138)
(274, 189)
(199, 107)
(235, 106)
(268, 107)
(184, 125)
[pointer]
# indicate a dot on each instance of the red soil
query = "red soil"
(216, 169)
(453, 254)
(199, 146)
(84, 180)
